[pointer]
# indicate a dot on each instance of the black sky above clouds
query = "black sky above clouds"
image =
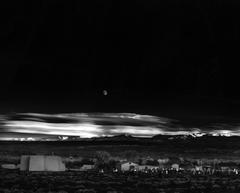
(139, 51)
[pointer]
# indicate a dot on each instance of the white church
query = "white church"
(41, 163)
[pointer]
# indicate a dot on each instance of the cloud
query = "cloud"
(88, 125)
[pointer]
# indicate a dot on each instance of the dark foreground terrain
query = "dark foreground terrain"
(94, 182)
(225, 148)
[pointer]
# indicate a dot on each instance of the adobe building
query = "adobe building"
(24, 162)
(129, 166)
(41, 163)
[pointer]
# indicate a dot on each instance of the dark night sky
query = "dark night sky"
(72, 50)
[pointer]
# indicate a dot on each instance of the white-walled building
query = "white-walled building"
(24, 162)
(37, 163)
(54, 163)
(163, 161)
(129, 166)
(41, 163)
(175, 166)
(86, 167)
(198, 168)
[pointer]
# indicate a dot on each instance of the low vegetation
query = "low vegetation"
(118, 182)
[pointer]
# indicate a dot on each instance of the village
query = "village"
(104, 162)
(104, 173)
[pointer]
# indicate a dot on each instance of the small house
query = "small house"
(87, 167)
(175, 166)
(129, 166)
(163, 161)
(198, 168)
